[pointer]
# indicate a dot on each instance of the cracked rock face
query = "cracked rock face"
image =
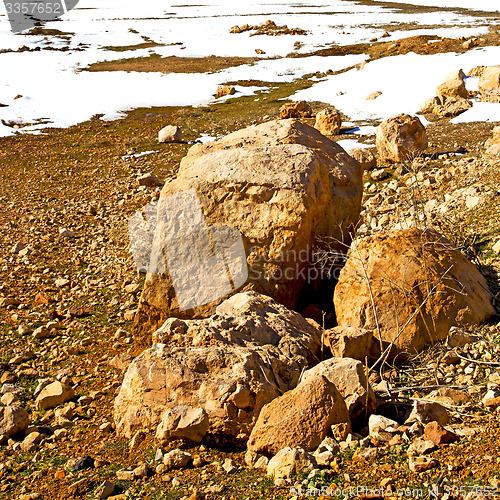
(280, 185)
(230, 365)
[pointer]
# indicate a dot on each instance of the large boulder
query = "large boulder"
(250, 352)
(348, 376)
(13, 419)
(489, 84)
(420, 285)
(401, 138)
(453, 88)
(445, 106)
(301, 417)
(279, 186)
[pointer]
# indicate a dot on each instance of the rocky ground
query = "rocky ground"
(68, 292)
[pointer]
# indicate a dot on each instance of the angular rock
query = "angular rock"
(13, 419)
(365, 158)
(328, 121)
(349, 342)
(449, 397)
(379, 422)
(421, 286)
(53, 395)
(453, 88)
(281, 185)
(177, 459)
(489, 84)
(421, 446)
(301, 417)
(223, 90)
(438, 434)
(299, 109)
(182, 422)
(289, 462)
(401, 138)
(491, 399)
(425, 412)
(149, 180)
(170, 133)
(348, 376)
(366, 455)
(230, 365)
(458, 337)
(421, 464)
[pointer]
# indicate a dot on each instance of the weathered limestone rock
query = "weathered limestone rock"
(289, 462)
(299, 109)
(365, 158)
(349, 342)
(401, 138)
(445, 106)
(223, 90)
(230, 365)
(280, 185)
(182, 422)
(420, 284)
(170, 133)
(301, 417)
(453, 88)
(489, 84)
(54, 395)
(329, 121)
(13, 419)
(348, 376)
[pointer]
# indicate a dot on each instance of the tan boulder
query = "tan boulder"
(453, 88)
(13, 419)
(289, 462)
(348, 376)
(53, 395)
(329, 121)
(489, 84)
(445, 106)
(298, 109)
(279, 186)
(365, 158)
(401, 138)
(170, 133)
(301, 417)
(420, 284)
(349, 342)
(231, 365)
(223, 90)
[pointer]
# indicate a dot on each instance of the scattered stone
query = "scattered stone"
(141, 471)
(401, 138)
(289, 462)
(53, 395)
(457, 337)
(84, 463)
(230, 466)
(177, 459)
(425, 412)
(149, 180)
(367, 455)
(421, 464)
(223, 90)
(421, 446)
(170, 133)
(299, 109)
(66, 233)
(328, 121)
(365, 158)
(379, 422)
(438, 434)
(380, 175)
(125, 475)
(490, 400)
(453, 88)
(105, 490)
(373, 95)
(13, 419)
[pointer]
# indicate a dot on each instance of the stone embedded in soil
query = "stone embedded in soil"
(422, 464)
(170, 133)
(53, 395)
(421, 446)
(438, 434)
(289, 462)
(13, 419)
